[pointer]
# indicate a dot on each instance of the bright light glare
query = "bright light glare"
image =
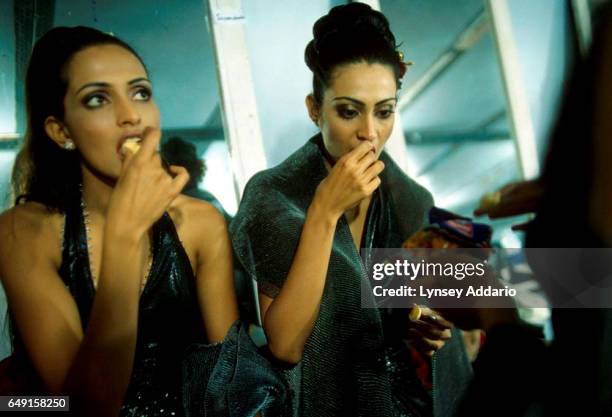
(219, 178)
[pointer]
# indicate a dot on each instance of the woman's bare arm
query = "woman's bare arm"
(94, 366)
(289, 318)
(215, 271)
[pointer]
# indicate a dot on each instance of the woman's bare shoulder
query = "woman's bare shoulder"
(196, 213)
(31, 226)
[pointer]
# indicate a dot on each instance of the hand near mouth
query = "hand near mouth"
(354, 177)
(145, 188)
(132, 146)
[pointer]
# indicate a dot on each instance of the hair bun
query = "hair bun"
(350, 33)
(352, 22)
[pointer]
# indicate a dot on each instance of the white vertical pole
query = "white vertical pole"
(396, 145)
(237, 94)
(516, 94)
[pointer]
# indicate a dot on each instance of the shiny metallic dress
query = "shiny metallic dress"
(169, 317)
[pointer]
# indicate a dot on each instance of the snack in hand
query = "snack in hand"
(511, 200)
(132, 145)
(415, 313)
(490, 200)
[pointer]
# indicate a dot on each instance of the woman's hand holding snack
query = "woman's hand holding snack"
(144, 190)
(429, 331)
(353, 178)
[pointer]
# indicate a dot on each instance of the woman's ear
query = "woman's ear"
(58, 133)
(313, 109)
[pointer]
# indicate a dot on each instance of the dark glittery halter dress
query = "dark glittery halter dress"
(169, 318)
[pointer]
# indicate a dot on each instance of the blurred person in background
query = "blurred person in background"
(179, 152)
(516, 374)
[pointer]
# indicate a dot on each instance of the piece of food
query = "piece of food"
(490, 200)
(415, 313)
(131, 145)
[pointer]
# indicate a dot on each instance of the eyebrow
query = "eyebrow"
(102, 84)
(361, 103)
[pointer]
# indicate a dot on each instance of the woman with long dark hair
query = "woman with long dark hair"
(110, 273)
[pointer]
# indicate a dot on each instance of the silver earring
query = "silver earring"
(69, 145)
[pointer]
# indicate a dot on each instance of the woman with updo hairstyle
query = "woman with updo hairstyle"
(301, 225)
(112, 277)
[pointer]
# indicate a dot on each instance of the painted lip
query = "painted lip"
(127, 136)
